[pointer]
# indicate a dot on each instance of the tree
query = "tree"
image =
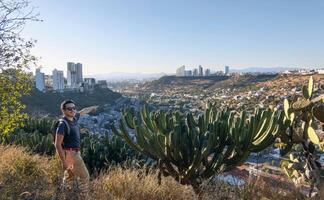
(15, 58)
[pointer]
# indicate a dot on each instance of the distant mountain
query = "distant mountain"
(262, 69)
(124, 76)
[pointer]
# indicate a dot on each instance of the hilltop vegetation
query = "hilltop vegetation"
(205, 83)
(49, 103)
(28, 176)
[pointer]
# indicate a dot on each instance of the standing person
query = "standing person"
(67, 144)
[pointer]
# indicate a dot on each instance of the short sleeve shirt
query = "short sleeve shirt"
(71, 140)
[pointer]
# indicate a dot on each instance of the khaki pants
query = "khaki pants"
(76, 169)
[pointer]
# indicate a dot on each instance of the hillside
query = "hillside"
(198, 85)
(49, 103)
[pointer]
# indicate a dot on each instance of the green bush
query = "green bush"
(101, 150)
(98, 150)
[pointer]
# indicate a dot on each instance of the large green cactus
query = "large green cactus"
(305, 116)
(190, 148)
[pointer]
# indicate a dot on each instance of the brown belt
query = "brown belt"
(72, 149)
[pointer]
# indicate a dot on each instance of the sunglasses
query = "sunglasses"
(70, 108)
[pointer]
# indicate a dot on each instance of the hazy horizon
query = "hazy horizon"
(160, 36)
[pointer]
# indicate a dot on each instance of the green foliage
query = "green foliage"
(98, 150)
(14, 83)
(35, 135)
(304, 115)
(34, 141)
(15, 57)
(42, 125)
(101, 150)
(190, 148)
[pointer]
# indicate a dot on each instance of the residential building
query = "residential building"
(195, 72)
(102, 84)
(200, 71)
(89, 83)
(58, 80)
(40, 80)
(207, 72)
(78, 67)
(188, 73)
(74, 75)
(181, 71)
(226, 72)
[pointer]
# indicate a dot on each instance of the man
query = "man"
(68, 145)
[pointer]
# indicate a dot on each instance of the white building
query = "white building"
(40, 80)
(74, 75)
(181, 71)
(226, 71)
(320, 71)
(58, 80)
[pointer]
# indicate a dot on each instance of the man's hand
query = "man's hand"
(94, 108)
(88, 110)
(64, 165)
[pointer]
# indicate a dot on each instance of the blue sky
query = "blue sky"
(159, 36)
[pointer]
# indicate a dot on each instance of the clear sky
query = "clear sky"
(159, 36)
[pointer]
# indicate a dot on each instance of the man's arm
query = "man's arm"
(58, 145)
(88, 110)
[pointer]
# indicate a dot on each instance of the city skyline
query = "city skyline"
(160, 36)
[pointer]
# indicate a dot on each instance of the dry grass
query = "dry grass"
(254, 190)
(136, 184)
(27, 176)
(23, 175)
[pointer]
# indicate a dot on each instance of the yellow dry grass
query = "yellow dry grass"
(28, 176)
(137, 184)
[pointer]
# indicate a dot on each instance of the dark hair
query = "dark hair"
(63, 104)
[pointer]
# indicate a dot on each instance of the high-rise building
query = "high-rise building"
(181, 71)
(74, 75)
(226, 70)
(200, 71)
(78, 67)
(40, 80)
(195, 72)
(207, 72)
(58, 80)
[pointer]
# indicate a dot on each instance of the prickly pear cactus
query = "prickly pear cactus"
(192, 148)
(305, 117)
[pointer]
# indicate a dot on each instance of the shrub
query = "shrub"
(138, 184)
(22, 174)
(252, 190)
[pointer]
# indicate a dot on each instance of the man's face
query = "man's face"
(69, 110)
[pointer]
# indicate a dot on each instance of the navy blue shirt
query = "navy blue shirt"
(71, 140)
